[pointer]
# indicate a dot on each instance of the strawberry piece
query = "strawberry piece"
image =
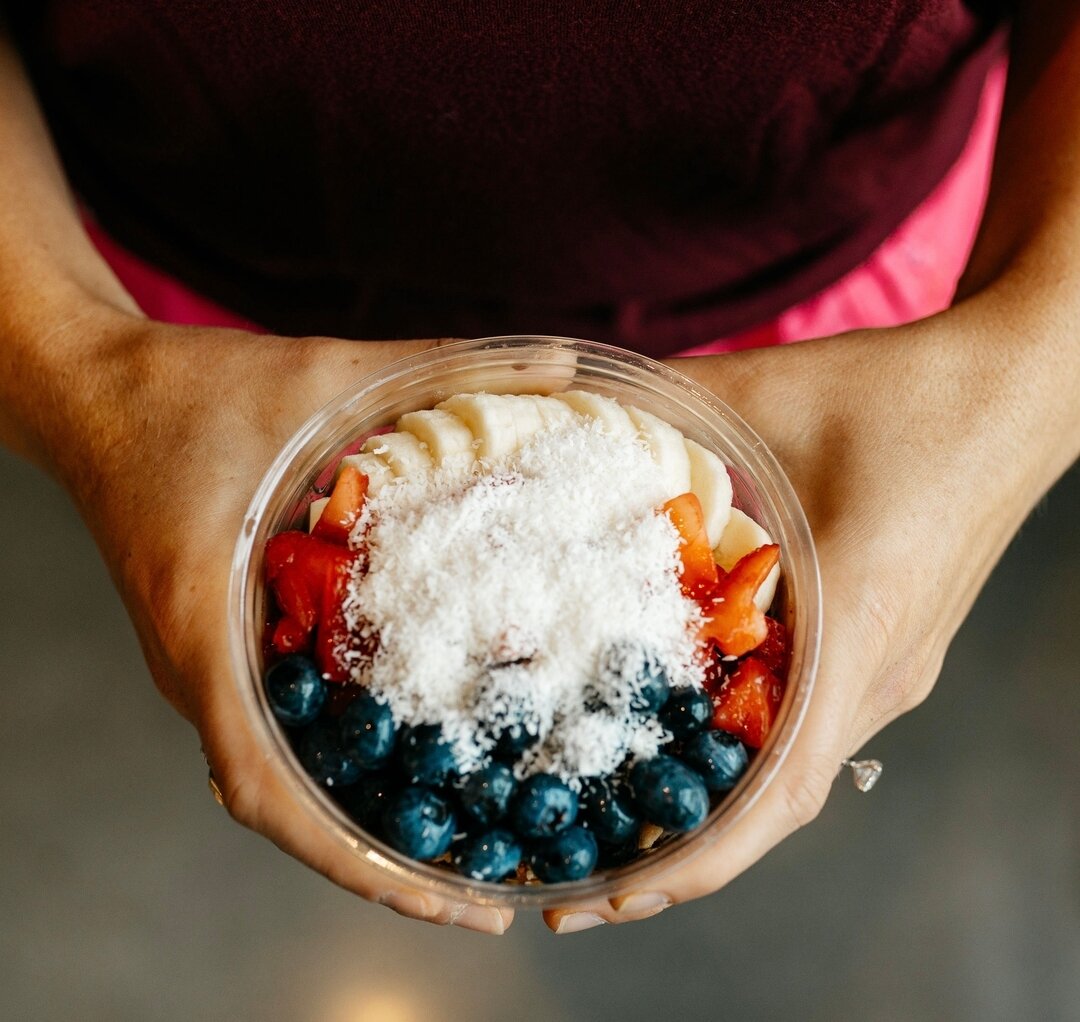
(774, 651)
(290, 636)
(282, 550)
(699, 574)
(309, 558)
(332, 637)
(346, 503)
(294, 597)
(747, 703)
(732, 619)
(308, 576)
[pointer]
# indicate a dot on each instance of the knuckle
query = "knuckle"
(906, 685)
(920, 683)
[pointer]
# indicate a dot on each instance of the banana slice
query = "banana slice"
(469, 426)
(401, 451)
(490, 419)
(527, 417)
(709, 479)
(314, 512)
(741, 536)
(446, 437)
(377, 471)
(554, 414)
(667, 446)
(608, 411)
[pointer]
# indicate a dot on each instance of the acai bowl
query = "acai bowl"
(524, 621)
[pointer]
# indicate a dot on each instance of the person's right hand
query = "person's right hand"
(162, 449)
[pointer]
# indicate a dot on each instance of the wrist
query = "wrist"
(1018, 344)
(57, 354)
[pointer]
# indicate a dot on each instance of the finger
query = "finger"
(340, 363)
(329, 365)
(255, 795)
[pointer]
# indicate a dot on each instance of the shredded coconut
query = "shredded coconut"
(530, 593)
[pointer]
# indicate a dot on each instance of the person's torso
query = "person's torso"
(650, 173)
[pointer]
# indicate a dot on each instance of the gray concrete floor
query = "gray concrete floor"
(949, 893)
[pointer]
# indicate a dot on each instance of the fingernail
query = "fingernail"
(642, 905)
(413, 905)
(576, 921)
(484, 920)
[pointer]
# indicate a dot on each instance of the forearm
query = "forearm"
(56, 293)
(1031, 224)
(1021, 290)
(995, 379)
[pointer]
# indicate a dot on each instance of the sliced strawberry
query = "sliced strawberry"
(747, 703)
(699, 574)
(290, 636)
(310, 558)
(346, 503)
(308, 576)
(732, 619)
(774, 651)
(292, 590)
(332, 637)
(282, 550)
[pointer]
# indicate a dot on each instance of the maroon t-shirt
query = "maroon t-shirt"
(651, 173)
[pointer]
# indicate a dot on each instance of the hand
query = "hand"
(162, 457)
(910, 450)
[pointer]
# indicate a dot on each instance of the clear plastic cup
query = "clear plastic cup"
(304, 469)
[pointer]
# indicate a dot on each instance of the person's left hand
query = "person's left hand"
(912, 452)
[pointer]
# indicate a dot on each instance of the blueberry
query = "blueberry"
(502, 697)
(489, 856)
(513, 740)
(418, 823)
(627, 667)
(367, 731)
(365, 800)
(687, 711)
(485, 795)
(718, 757)
(569, 855)
(323, 758)
(608, 812)
(650, 689)
(669, 794)
(543, 806)
(425, 756)
(295, 690)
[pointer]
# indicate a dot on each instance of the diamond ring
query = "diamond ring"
(864, 772)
